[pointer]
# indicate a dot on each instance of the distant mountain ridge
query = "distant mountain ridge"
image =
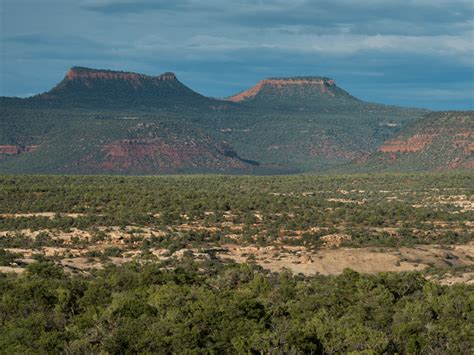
(105, 121)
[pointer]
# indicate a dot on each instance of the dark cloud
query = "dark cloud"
(54, 48)
(359, 17)
(112, 7)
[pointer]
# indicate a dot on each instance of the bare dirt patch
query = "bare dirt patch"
(364, 260)
(335, 239)
(49, 215)
(463, 202)
(11, 269)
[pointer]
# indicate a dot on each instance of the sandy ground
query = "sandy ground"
(364, 260)
(11, 269)
(449, 279)
(331, 259)
(49, 215)
(326, 261)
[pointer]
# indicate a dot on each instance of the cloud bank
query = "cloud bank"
(414, 53)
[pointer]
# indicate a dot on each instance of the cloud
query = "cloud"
(364, 16)
(195, 29)
(54, 47)
(461, 46)
(131, 6)
(329, 12)
(219, 46)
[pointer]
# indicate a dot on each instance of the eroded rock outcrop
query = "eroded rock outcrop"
(10, 150)
(322, 84)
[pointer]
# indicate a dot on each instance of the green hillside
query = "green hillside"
(107, 142)
(438, 141)
(282, 125)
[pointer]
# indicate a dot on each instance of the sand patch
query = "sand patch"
(364, 260)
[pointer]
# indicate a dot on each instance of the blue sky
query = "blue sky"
(416, 53)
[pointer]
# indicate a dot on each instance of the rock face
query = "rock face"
(415, 143)
(12, 150)
(439, 141)
(294, 91)
(95, 88)
(152, 155)
(9, 149)
(323, 85)
(79, 73)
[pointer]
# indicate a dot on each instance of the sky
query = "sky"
(417, 53)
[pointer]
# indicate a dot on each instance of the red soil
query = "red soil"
(415, 143)
(15, 149)
(153, 155)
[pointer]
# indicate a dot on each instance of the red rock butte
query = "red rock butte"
(322, 83)
(86, 73)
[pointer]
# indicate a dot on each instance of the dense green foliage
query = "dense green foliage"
(214, 308)
(85, 298)
(211, 308)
